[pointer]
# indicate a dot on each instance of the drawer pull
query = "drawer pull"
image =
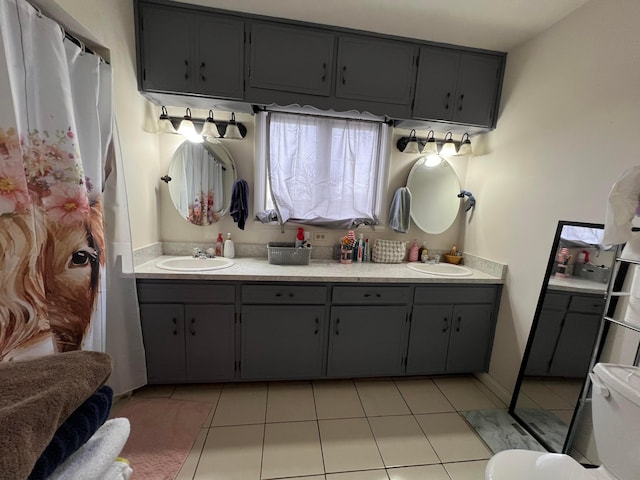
(175, 326)
(290, 295)
(377, 295)
(445, 324)
(192, 326)
(278, 294)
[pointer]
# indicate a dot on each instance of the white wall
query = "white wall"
(113, 27)
(568, 128)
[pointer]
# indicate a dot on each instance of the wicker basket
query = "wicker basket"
(455, 259)
(285, 253)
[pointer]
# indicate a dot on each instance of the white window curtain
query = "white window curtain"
(321, 170)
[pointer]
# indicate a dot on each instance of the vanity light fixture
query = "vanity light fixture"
(188, 130)
(209, 127)
(164, 123)
(430, 147)
(465, 145)
(197, 130)
(448, 147)
(233, 131)
(412, 145)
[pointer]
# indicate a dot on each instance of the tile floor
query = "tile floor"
(388, 429)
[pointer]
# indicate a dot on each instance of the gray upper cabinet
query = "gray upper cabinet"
(292, 59)
(375, 70)
(190, 52)
(460, 87)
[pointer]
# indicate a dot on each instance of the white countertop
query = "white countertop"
(258, 269)
(576, 284)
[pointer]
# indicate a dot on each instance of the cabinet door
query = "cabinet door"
(470, 339)
(575, 345)
(544, 342)
(476, 89)
(282, 342)
(210, 337)
(436, 84)
(367, 341)
(166, 49)
(291, 59)
(163, 334)
(219, 64)
(429, 339)
(375, 70)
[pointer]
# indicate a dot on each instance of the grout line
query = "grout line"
(195, 470)
(264, 430)
(315, 408)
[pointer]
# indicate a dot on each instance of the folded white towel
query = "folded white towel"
(96, 458)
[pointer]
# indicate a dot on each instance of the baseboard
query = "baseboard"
(497, 389)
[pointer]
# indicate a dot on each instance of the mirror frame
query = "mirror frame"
(618, 280)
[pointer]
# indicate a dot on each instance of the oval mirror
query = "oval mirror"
(202, 176)
(434, 194)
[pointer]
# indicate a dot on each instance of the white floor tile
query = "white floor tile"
(289, 402)
(362, 475)
(337, 399)
(348, 445)
(401, 441)
(464, 394)
(451, 438)
(429, 472)
(492, 396)
(209, 393)
(381, 397)
(291, 449)
(231, 453)
(191, 463)
(466, 470)
(422, 396)
(542, 395)
(313, 477)
(243, 404)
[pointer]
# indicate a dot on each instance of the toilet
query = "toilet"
(616, 425)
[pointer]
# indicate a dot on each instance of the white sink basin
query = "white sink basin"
(444, 269)
(190, 264)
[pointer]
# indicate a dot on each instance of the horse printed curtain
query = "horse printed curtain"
(55, 139)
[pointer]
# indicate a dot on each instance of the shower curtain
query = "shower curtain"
(56, 262)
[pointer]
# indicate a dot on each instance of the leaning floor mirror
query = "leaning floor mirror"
(564, 333)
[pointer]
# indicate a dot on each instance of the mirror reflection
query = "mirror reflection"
(202, 176)
(564, 332)
(434, 188)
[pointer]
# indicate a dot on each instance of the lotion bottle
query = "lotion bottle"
(360, 249)
(413, 252)
(229, 247)
(219, 245)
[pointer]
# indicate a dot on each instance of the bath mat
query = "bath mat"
(163, 431)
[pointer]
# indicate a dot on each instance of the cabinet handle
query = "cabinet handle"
(186, 69)
(459, 322)
(317, 326)
(324, 71)
(337, 323)
(344, 77)
(377, 295)
(445, 324)
(202, 76)
(291, 295)
(446, 100)
(460, 103)
(175, 326)
(192, 326)
(278, 294)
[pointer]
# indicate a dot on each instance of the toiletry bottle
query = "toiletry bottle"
(299, 238)
(219, 245)
(366, 254)
(413, 252)
(423, 252)
(229, 247)
(360, 249)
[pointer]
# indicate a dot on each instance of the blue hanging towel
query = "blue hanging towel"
(240, 202)
(400, 211)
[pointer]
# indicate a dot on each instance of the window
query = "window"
(320, 170)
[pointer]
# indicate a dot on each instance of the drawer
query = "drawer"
(457, 295)
(555, 301)
(186, 293)
(284, 294)
(372, 295)
(584, 304)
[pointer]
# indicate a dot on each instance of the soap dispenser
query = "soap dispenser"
(414, 252)
(229, 247)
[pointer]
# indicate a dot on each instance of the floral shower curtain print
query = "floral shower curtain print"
(52, 153)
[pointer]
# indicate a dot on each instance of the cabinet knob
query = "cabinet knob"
(175, 325)
(186, 69)
(446, 100)
(460, 102)
(337, 323)
(317, 326)
(324, 71)
(202, 76)
(459, 322)
(192, 326)
(344, 77)
(445, 324)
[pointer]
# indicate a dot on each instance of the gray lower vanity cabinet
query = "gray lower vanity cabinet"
(368, 330)
(283, 328)
(451, 329)
(188, 331)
